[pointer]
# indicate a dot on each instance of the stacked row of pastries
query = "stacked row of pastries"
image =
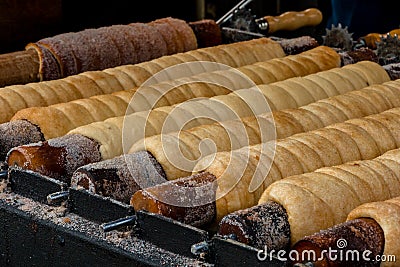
(113, 134)
(367, 189)
(108, 133)
(233, 134)
(328, 80)
(71, 53)
(206, 84)
(206, 79)
(329, 116)
(240, 103)
(122, 80)
(311, 181)
(350, 211)
(126, 77)
(345, 102)
(93, 49)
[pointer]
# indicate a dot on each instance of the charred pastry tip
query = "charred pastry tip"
(297, 45)
(393, 70)
(190, 200)
(57, 158)
(258, 226)
(39, 157)
(363, 234)
(17, 133)
(207, 32)
(120, 177)
(361, 54)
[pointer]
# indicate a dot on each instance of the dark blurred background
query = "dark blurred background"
(23, 21)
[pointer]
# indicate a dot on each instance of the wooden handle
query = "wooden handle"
(19, 67)
(293, 20)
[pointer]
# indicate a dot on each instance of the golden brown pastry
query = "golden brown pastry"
(241, 186)
(387, 215)
(234, 134)
(368, 236)
(119, 177)
(20, 67)
(311, 199)
(226, 136)
(290, 93)
(107, 47)
(358, 242)
(98, 108)
(126, 77)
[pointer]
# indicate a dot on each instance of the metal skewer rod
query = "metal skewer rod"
(57, 197)
(229, 14)
(3, 174)
(199, 248)
(109, 226)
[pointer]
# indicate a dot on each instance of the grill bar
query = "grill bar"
(56, 242)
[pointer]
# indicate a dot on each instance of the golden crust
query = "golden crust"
(387, 215)
(48, 65)
(318, 200)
